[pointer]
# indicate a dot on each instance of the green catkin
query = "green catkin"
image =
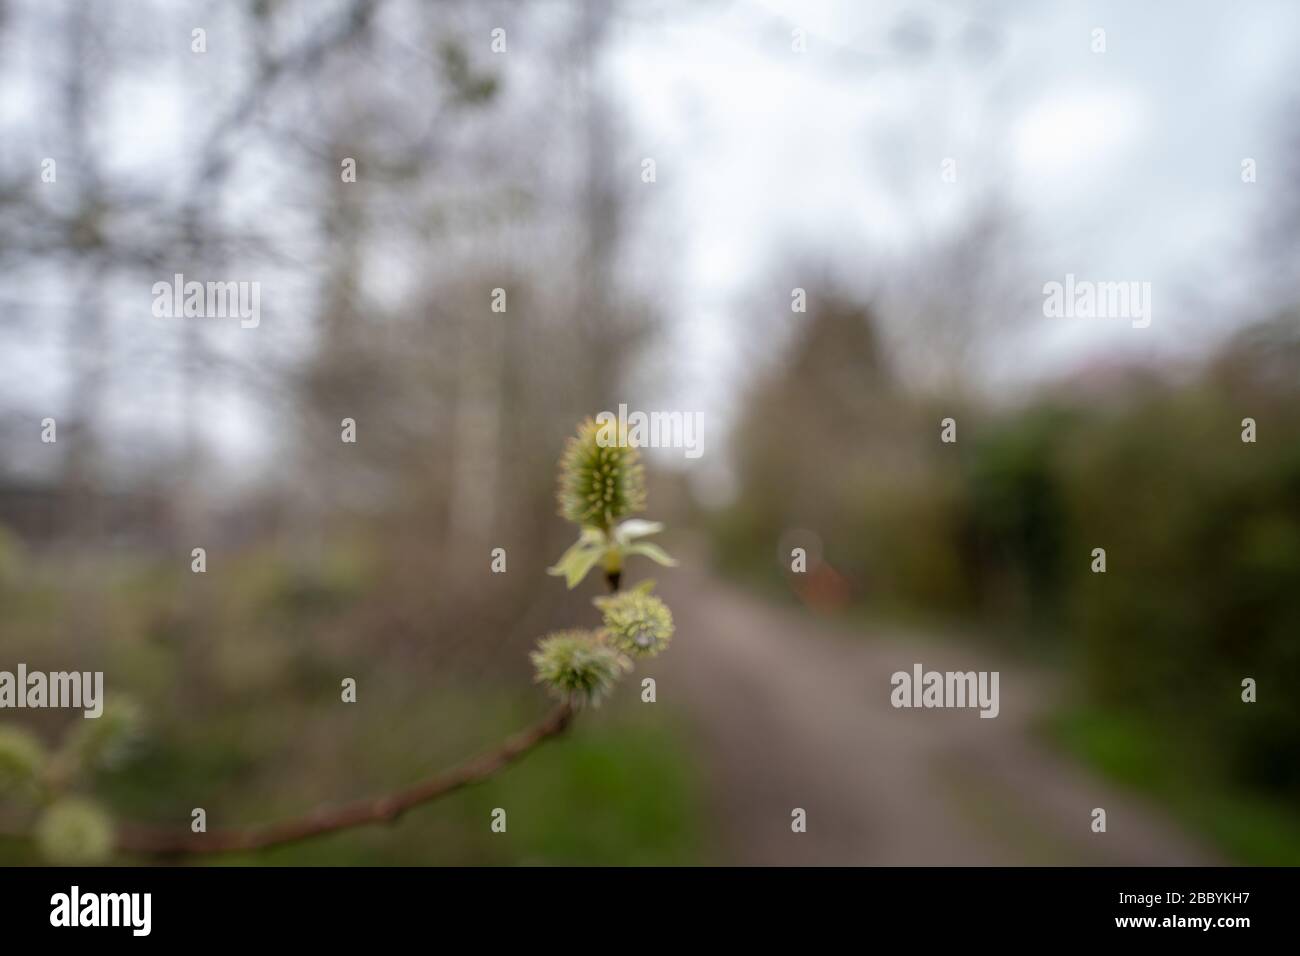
(637, 623)
(599, 484)
(578, 667)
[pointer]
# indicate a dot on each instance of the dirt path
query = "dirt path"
(794, 711)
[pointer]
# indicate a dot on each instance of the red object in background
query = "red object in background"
(822, 588)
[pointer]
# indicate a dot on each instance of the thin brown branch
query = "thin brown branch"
(157, 841)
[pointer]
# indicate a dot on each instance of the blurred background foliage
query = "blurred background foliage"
(243, 715)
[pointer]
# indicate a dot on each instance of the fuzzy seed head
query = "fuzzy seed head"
(75, 830)
(21, 760)
(578, 667)
(602, 479)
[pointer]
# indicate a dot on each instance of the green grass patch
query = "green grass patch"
(613, 791)
(1159, 761)
(621, 787)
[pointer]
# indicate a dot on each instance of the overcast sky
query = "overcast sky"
(1122, 165)
(1118, 165)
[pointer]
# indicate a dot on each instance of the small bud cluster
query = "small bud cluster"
(602, 482)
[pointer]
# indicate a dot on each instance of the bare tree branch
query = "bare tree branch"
(157, 841)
